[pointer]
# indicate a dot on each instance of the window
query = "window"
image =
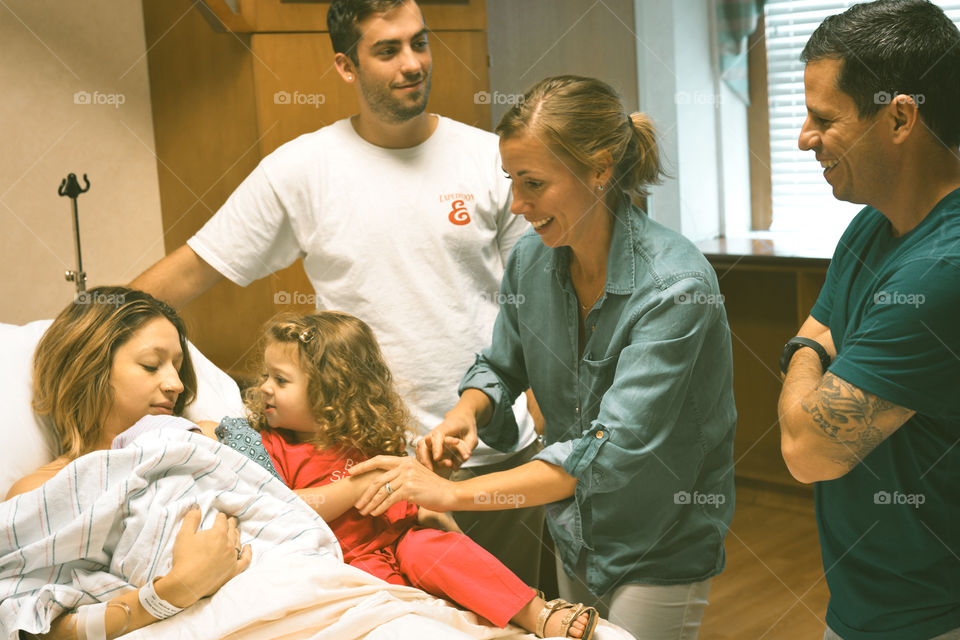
(801, 198)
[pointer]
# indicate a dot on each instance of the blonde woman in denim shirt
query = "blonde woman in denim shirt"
(618, 326)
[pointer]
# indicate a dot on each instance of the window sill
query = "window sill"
(767, 247)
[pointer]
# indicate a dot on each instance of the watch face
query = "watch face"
(788, 350)
(795, 343)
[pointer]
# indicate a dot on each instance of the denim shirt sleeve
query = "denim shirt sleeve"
(637, 430)
(499, 371)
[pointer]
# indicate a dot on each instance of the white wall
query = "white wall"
(679, 88)
(734, 164)
(659, 54)
(51, 50)
(530, 40)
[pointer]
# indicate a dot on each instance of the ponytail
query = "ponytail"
(640, 165)
(584, 119)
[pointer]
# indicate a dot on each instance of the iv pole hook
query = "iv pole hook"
(71, 188)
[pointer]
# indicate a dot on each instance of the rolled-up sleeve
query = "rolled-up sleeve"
(499, 371)
(648, 423)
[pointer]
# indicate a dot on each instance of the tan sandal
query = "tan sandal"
(577, 610)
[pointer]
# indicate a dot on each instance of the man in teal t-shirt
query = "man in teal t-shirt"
(869, 409)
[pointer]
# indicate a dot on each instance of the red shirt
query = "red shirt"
(302, 465)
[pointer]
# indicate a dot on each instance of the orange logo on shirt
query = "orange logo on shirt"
(459, 214)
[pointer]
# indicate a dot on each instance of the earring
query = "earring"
(599, 187)
(349, 77)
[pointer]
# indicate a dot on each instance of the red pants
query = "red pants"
(452, 566)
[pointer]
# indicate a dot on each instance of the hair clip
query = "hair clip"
(306, 335)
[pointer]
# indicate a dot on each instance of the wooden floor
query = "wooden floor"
(773, 586)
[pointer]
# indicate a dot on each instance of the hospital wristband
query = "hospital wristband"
(91, 622)
(154, 604)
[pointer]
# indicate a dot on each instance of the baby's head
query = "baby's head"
(110, 357)
(325, 379)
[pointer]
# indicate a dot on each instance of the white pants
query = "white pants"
(648, 611)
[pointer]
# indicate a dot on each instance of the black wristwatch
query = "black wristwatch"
(795, 343)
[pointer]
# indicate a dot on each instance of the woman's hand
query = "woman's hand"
(450, 443)
(203, 561)
(407, 480)
(208, 428)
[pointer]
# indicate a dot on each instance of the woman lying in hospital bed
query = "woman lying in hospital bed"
(77, 544)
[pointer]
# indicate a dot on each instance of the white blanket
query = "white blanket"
(106, 524)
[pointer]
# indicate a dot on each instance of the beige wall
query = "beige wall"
(530, 40)
(51, 50)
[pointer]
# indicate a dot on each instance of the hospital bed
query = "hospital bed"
(107, 522)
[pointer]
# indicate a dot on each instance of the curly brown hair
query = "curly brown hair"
(349, 385)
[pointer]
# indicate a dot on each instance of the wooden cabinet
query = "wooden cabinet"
(767, 297)
(230, 81)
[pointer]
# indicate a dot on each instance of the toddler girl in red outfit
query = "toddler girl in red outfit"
(327, 402)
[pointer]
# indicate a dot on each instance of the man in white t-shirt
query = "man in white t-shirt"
(402, 219)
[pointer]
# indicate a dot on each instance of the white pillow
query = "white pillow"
(218, 396)
(28, 442)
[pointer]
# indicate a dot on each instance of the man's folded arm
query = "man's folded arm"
(828, 425)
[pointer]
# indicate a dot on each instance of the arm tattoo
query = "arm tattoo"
(852, 420)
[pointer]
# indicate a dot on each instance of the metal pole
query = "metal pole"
(71, 188)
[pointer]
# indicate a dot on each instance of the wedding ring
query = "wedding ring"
(386, 486)
(239, 552)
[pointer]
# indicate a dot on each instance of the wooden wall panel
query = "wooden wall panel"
(299, 90)
(766, 304)
(216, 115)
(206, 140)
(297, 67)
(459, 72)
(265, 16)
(758, 131)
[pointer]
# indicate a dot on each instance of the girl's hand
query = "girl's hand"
(450, 443)
(408, 480)
(203, 561)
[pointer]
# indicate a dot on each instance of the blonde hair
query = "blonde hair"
(73, 360)
(349, 386)
(582, 118)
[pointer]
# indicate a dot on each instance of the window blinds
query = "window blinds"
(802, 199)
